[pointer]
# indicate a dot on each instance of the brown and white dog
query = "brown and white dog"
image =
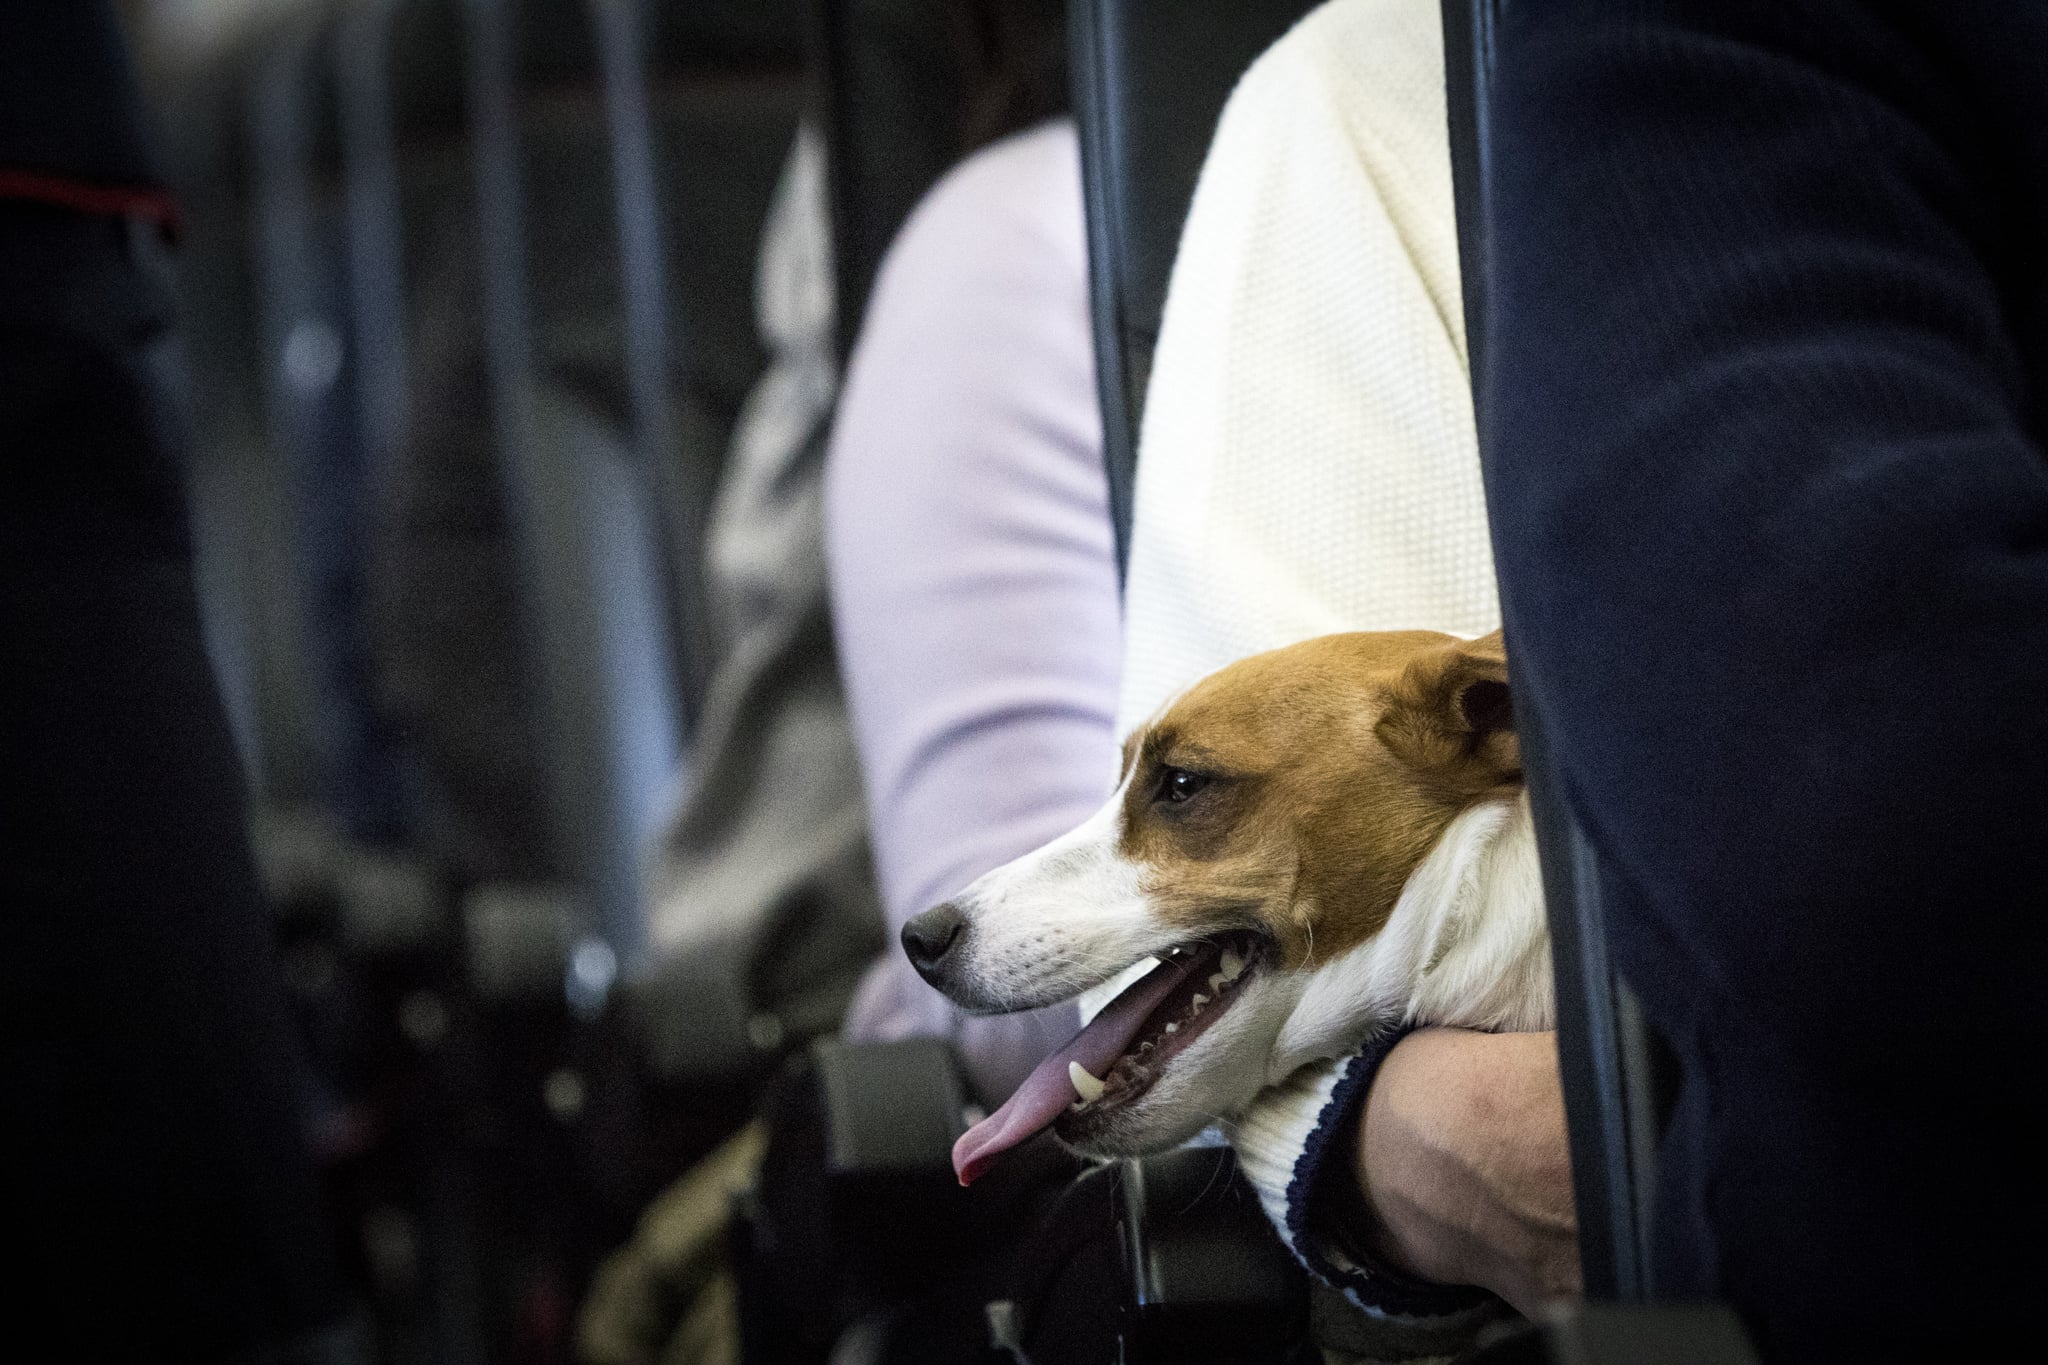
(1313, 844)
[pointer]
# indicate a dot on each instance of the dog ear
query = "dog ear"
(1452, 716)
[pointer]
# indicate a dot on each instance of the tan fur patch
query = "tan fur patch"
(1333, 765)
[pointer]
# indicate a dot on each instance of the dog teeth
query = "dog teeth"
(1085, 1085)
(1201, 1000)
(1217, 981)
(1233, 966)
(1173, 1028)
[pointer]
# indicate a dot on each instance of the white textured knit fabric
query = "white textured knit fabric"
(1269, 1137)
(1308, 462)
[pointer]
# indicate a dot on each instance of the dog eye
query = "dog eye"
(1178, 784)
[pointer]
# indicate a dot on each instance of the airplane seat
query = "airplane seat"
(888, 96)
(283, 462)
(726, 84)
(255, 633)
(594, 389)
(857, 1242)
(310, 376)
(595, 176)
(723, 85)
(500, 668)
(459, 952)
(737, 991)
(241, 516)
(1150, 79)
(280, 468)
(1136, 106)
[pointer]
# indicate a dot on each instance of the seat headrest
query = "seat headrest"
(1150, 79)
(888, 101)
(906, 88)
(557, 46)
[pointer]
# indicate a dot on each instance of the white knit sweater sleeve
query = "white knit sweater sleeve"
(1297, 1135)
(1271, 1136)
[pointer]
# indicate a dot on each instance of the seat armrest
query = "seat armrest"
(1627, 1334)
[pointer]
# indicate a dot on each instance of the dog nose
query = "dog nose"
(930, 936)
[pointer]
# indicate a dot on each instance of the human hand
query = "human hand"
(1463, 1168)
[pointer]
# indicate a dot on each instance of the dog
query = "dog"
(1312, 844)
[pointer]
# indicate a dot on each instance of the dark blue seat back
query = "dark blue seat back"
(1150, 79)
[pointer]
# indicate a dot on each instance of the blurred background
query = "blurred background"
(472, 302)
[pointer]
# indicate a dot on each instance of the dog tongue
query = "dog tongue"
(1047, 1091)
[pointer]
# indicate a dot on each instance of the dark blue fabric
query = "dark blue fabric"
(67, 100)
(156, 1182)
(1762, 421)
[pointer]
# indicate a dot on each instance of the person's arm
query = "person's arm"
(1459, 1171)
(1430, 1166)
(973, 579)
(1763, 422)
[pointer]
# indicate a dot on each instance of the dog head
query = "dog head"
(1264, 828)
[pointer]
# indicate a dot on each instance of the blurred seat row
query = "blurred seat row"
(472, 317)
(469, 305)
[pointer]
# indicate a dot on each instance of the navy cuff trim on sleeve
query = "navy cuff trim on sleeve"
(1371, 1285)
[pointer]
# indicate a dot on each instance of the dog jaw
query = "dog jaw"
(1218, 1075)
(1465, 946)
